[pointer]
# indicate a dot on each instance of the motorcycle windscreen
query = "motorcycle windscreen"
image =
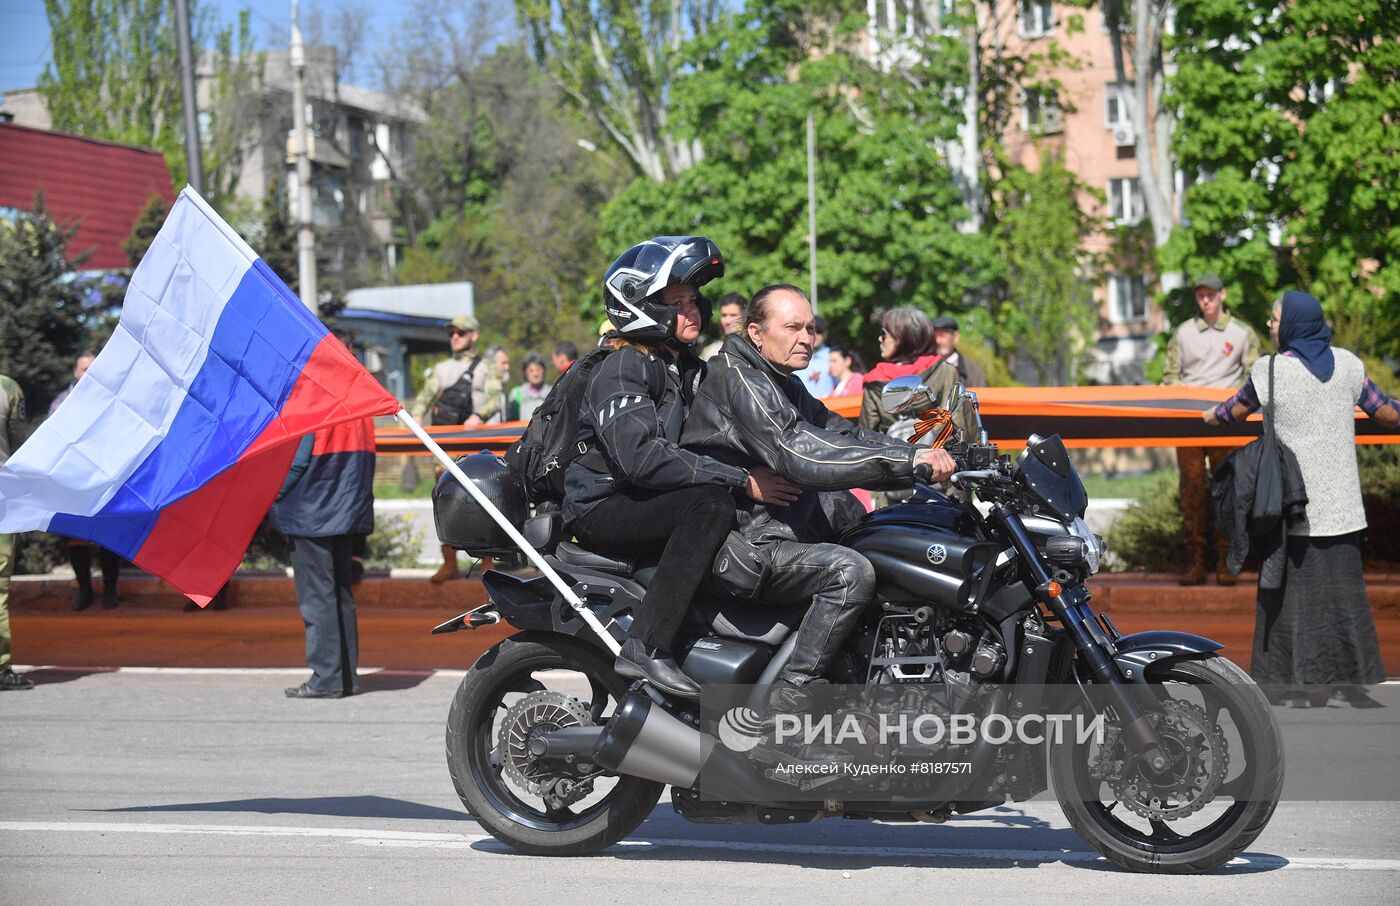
(1045, 470)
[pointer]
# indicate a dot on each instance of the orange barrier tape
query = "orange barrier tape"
(1085, 417)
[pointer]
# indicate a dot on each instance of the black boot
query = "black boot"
(657, 667)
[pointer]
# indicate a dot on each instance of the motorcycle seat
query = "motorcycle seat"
(727, 617)
(642, 569)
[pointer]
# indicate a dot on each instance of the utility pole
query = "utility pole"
(193, 164)
(306, 237)
(812, 207)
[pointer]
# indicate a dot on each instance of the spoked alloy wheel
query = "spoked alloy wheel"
(1216, 724)
(530, 684)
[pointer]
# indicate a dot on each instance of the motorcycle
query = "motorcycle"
(556, 754)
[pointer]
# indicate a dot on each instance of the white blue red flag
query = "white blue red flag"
(176, 441)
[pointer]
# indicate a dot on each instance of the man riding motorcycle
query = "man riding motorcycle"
(751, 411)
(632, 488)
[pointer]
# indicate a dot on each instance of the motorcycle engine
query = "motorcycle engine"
(928, 645)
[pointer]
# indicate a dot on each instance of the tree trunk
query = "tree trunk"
(1156, 186)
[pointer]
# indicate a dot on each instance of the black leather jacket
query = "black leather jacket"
(748, 413)
(1237, 511)
(630, 432)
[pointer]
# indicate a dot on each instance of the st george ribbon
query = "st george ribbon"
(177, 440)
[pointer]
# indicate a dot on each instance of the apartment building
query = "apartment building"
(360, 141)
(1091, 129)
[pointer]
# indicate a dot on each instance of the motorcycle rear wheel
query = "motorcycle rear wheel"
(1218, 835)
(502, 807)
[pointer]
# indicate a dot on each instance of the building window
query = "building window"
(892, 19)
(1127, 298)
(1125, 204)
(1118, 105)
(1040, 113)
(1035, 19)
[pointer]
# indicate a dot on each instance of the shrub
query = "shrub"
(1147, 535)
(37, 553)
(395, 543)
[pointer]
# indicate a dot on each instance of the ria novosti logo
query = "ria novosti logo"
(741, 729)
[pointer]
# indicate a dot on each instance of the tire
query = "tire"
(1222, 839)
(483, 790)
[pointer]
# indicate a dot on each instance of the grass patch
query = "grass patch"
(393, 490)
(1132, 487)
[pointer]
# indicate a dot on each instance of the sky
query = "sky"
(25, 49)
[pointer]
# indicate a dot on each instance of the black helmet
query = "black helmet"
(632, 286)
(463, 523)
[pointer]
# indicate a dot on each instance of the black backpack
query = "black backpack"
(454, 405)
(550, 441)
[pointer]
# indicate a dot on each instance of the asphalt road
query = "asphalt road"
(187, 786)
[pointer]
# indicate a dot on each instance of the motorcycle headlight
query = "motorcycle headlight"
(1094, 546)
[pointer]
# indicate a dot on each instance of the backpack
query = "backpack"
(550, 440)
(454, 405)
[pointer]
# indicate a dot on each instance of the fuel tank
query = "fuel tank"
(926, 552)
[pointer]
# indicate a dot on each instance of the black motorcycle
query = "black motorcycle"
(556, 754)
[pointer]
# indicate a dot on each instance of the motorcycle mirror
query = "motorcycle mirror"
(955, 395)
(905, 394)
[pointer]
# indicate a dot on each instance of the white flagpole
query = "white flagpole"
(534, 556)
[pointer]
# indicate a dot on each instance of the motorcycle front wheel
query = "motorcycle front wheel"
(557, 678)
(1218, 723)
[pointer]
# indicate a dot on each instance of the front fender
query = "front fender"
(1142, 650)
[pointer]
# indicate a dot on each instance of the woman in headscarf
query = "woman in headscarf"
(1317, 630)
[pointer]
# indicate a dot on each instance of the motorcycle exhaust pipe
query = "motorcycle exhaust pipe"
(643, 740)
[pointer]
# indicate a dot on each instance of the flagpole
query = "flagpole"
(525, 547)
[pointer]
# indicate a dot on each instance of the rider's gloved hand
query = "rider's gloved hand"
(939, 462)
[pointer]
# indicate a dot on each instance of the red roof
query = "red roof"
(102, 186)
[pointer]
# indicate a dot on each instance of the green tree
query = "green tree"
(888, 208)
(113, 77)
(617, 61)
(42, 317)
(514, 197)
(1287, 124)
(1045, 310)
(143, 233)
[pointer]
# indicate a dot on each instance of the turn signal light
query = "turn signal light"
(1053, 589)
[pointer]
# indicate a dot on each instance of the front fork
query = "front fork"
(1132, 700)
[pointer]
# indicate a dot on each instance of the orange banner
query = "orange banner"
(1086, 417)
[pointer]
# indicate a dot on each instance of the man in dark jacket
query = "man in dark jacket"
(328, 497)
(752, 411)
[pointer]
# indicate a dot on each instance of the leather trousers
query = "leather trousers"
(838, 582)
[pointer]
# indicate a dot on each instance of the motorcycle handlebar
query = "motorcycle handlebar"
(956, 477)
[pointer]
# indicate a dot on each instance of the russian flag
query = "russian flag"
(176, 441)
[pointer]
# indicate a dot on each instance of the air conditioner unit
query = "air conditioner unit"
(1124, 136)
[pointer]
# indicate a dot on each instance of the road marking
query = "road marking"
(430, 840)
(295, 671)
(235, 830)
(242, 671)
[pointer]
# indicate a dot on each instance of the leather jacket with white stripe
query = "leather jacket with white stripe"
(748, 413)
(631, 434)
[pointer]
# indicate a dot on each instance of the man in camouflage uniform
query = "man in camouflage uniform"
(11, 419)
(1212, 350)
(446, 384)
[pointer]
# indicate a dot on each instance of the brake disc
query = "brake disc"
(535, 715)
(1201, 757)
